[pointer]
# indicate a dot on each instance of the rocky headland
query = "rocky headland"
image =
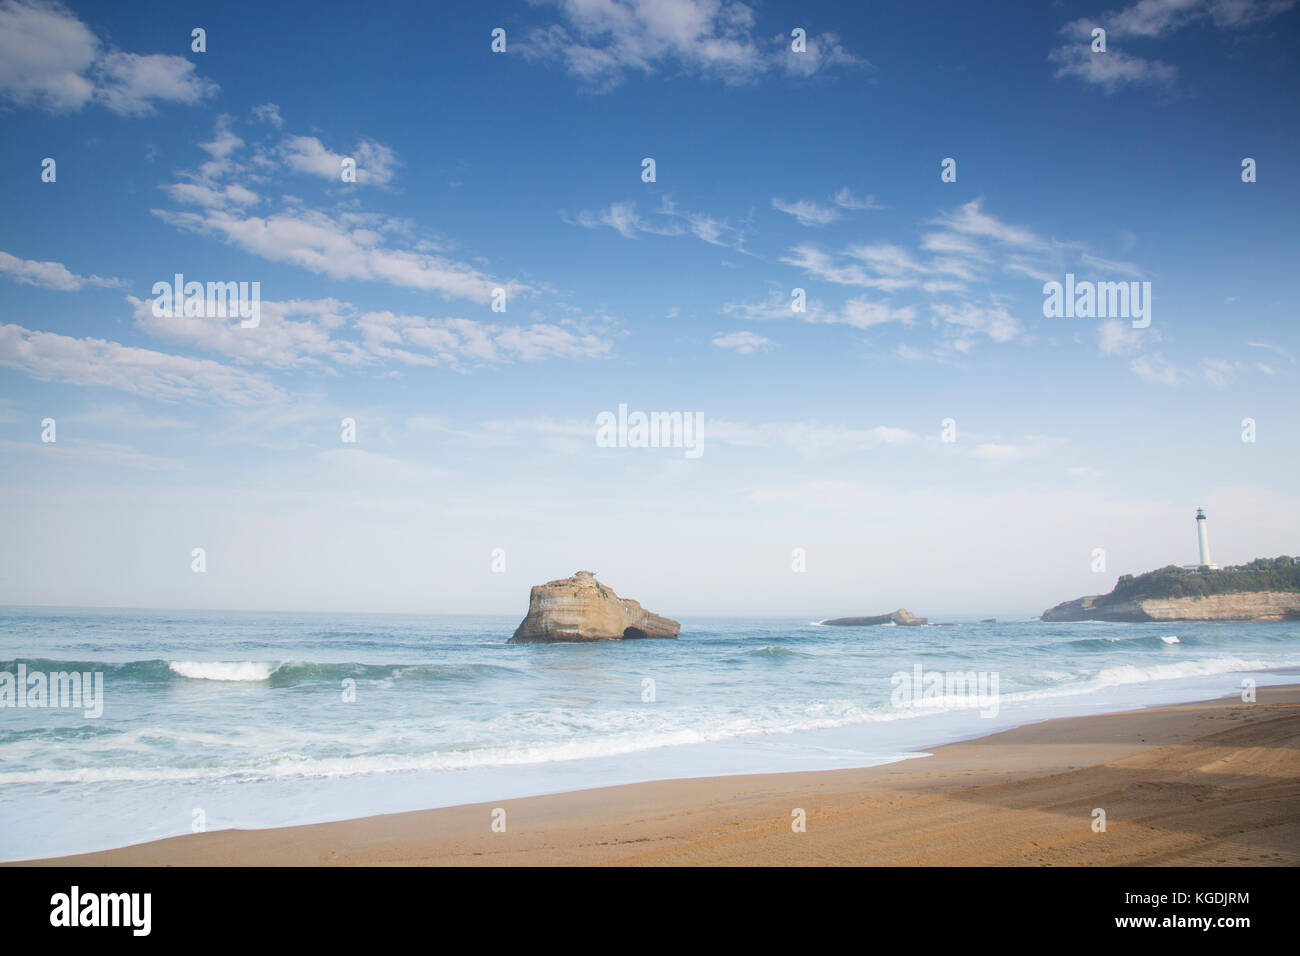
(1267, 589)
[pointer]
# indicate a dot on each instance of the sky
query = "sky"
(922, 434)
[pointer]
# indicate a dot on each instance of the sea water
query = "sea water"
(248, 719)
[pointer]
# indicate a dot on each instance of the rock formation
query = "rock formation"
(1266, 589)
(1242, 606)
(580, 608)
(902, 617)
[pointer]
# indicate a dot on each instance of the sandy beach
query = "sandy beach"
(1212, 783)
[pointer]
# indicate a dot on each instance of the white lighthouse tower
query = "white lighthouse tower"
(1203, 541)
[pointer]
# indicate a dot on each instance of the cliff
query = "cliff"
(580, 608)
(902, 617)
(1267, 589)
(1243, 606)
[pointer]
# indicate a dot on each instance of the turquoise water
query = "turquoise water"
(243, 716)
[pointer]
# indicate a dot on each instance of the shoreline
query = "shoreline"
(1210, 783)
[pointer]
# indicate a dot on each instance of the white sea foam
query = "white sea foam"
(1132, 674)
(224, 670)
(555, 735)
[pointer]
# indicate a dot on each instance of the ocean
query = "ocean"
(256, 719)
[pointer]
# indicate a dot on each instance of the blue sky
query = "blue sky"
(775, 170)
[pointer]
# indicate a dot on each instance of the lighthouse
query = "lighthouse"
(1203, 541)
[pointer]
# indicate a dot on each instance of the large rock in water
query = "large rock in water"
(902, 617)
(580, 608)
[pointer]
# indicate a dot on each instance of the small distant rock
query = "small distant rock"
(902, 617)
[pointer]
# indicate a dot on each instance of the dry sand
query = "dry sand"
(1210, 783)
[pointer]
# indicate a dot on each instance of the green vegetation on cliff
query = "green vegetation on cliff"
(1262, 574)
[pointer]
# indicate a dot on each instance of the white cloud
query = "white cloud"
(952, 244)
(1112, 266)
(225, 143)
(269, 113)
(778, 305)
(969, 319)
(970, 219)
(342, 244)
(808, 213)
(602, 42)
(1112, 69)
(623, 218)
(1273, 348)
(811, 213)
(1119, 338)
(822, 265)
(50, 275)
(1219, 372)
(51, 357)
(1157, 371)
(416, 340)
(716, 232)
(1147, 20)
(845, 199)
(886, 259)
(940, 286)
(1023, 266)
(196, 194)
(948, 266)
(745, 343)
(958, 255)
(50, 60)
(289, 333)
(130, 84)
(859, 312)
(375, 163)
(862, 313)
(221, 150)
(1150, 19)
(340, 247)
(45, 54)
(821, 52)
(207, 185)
(310, 332)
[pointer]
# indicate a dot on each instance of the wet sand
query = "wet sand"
(1212, 783)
